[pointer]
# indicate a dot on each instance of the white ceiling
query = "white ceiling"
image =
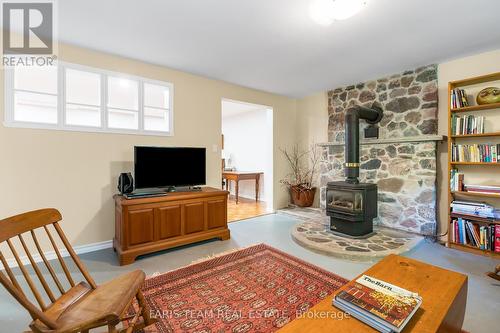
(234, 108)
(273, 45)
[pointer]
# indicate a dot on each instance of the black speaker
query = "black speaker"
(125, 183)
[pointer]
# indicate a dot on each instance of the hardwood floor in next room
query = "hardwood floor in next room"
(246, 208)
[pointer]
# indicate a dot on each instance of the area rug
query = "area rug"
(257, 289)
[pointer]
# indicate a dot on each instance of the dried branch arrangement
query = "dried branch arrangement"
(303, 164)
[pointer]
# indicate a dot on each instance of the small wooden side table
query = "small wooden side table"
(236, 176)
(444, 295)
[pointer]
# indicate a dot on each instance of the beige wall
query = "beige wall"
(312, 123)
(76, 172)
(312, 111)
(476, 65)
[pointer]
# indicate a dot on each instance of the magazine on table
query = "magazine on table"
(384, 306)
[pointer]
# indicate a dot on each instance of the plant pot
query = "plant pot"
(302, 197)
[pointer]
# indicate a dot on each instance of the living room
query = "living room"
(383, 165)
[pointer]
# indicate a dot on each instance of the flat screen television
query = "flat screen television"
(169, 166)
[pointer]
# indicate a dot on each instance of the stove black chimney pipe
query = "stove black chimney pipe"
(372, 115)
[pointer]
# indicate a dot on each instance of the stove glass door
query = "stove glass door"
(350, 201)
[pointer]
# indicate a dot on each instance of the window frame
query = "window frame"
(9, 91)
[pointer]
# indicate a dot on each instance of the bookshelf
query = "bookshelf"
(475, 194)
(475, 163)
(476, 218)
(484, 135)
(464, 167)
(477, 107)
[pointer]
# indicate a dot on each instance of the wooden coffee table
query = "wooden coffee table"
(444, 295)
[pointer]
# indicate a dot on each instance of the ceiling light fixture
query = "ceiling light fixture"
(325, 12)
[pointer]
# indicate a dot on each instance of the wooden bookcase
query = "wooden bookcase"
(465, 166)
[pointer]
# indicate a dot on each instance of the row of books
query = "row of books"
(469, 233)
(456, 181)
(480, 209)
(467, 124)
(475, 153)
(458, 98)
(487, 189)
(457, 184)
(383, 306)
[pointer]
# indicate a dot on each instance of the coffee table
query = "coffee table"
(444, 295)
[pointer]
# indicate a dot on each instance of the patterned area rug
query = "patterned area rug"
(257, 289)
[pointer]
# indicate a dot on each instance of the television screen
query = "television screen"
(165, 166)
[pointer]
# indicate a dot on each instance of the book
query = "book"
(460, 182)
(375, 301)
(362, 317)
(492, 237)
(481, 242)
(456, 181)
(462, 231)
(479, 209)
(487, 189)
(497, 238)
(470, 237)
(474, 234)
(459, 98)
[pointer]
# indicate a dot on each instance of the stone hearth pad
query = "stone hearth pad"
(313, 232)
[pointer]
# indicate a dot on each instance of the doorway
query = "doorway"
(247, 158)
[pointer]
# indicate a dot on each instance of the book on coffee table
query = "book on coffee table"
(383, 306)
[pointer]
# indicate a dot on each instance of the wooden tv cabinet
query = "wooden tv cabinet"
(146, 225)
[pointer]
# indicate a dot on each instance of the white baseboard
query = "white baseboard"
(50, 255)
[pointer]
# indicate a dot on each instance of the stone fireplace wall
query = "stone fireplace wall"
(404, 171)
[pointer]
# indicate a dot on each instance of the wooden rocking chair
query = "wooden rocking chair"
(79, 307)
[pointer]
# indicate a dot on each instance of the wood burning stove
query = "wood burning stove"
(352, 205)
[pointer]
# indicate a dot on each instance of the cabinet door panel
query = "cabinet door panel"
(216, 214)
(140, 226)
(169, 221)
(194, 214)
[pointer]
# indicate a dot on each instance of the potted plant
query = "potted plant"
(303, 164)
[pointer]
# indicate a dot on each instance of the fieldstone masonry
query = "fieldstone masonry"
(405, 172)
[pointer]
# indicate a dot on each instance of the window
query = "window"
(74, 97)
(123, 103)
(83, 98)
(35, 95)
(156, 107)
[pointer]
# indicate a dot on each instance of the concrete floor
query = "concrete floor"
(483, 299)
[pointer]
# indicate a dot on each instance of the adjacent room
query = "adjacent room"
(247, 158)
(239, 166)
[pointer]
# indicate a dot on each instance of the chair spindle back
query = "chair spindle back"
(22, 227)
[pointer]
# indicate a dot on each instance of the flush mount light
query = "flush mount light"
(324, 12)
